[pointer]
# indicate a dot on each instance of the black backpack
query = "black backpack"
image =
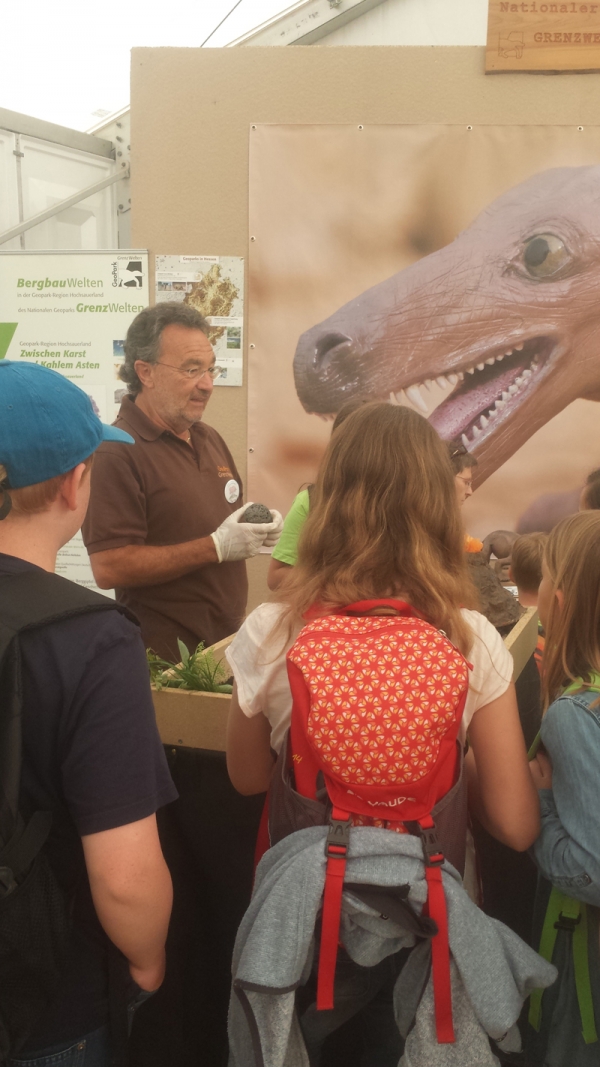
(34, 911)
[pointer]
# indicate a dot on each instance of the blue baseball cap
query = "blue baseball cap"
(47, 424)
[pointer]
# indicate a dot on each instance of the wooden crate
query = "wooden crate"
(191, 719)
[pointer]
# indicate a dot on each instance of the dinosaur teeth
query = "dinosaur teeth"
(519, 348)
(442, 382)
(465, 440)
(505, 396)
(476, 431)
(483, 422)
(526, 374)
(414, 394)
(393, 401)
(500, 404)
(471, 370)
(453, 378)
(512, 389)
(490, 362)
(480, 366)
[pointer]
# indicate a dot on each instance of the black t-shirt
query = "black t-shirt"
(91, 755)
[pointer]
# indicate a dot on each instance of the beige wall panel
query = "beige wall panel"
(191, 110)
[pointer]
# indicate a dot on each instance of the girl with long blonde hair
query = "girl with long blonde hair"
(566, 770)
(384, 523)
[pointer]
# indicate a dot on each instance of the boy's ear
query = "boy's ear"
(560, 597)
(70, 487)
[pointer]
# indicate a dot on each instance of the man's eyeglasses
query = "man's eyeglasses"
(193, 373)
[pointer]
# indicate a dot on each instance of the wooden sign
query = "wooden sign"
(534, 35)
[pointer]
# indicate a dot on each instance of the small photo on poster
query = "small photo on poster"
(234, 337)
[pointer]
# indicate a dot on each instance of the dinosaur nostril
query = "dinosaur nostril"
(329, 344)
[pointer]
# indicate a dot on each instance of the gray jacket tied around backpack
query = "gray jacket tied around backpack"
(493, 970)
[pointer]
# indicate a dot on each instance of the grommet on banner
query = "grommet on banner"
(361, 127)
(252, 346)
(251, 450)
(469, 127)
(580, 128)
(253, 238)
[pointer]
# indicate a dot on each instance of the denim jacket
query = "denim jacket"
(567, 852)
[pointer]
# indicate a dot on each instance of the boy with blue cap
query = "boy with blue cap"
(91, 754)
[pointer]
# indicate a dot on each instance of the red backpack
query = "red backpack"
(377, 706)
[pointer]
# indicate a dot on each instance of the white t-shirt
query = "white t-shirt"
(259, 668)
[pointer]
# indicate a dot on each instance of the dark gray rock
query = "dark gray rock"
(256, 513)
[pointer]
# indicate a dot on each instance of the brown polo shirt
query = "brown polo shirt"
(162, 491)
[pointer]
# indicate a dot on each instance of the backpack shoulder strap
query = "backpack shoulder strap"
(565, 913)
(36, 598)
(28, 600)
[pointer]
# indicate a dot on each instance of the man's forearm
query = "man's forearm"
(135, 565)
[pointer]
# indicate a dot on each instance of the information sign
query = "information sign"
(70, 311)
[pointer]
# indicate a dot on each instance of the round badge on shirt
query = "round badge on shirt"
(232, 491)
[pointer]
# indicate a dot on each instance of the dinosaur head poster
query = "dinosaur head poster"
(453, 269)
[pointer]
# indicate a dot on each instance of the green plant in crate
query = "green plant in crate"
(197, 670)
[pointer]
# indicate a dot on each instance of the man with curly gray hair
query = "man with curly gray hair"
(163, 525)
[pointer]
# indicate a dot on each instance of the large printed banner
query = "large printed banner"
(451, 269)
(70, 311)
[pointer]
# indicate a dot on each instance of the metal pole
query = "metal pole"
(63, 205)
(18, 157)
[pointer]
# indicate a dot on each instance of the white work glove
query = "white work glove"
(274, 529)
(239, 540)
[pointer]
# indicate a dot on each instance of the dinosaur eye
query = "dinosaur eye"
(544, 255)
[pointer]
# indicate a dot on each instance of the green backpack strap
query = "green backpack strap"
(535, 744)
(546, 949)
(565, 913)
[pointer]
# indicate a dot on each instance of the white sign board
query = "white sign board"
(214, 285)
(70, 311)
